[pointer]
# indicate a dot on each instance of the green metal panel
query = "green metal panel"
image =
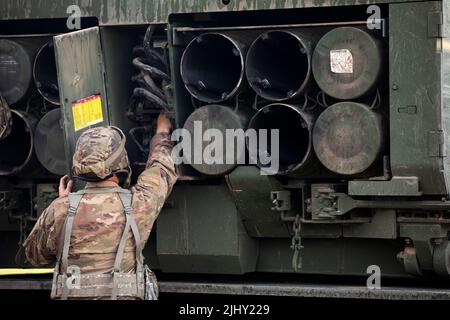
(332, 256)
(79, 54)
(397, 186)
(415, 65)
(117, 46)
(382, 226)
(251, 193)
(198, 235)
(139, 11)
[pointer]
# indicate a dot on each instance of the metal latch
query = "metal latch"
(436, 147)
(435, 24)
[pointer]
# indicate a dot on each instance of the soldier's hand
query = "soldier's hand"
(163, 124)
(64, 189)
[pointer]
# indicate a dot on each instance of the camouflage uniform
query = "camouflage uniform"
(5, 119)
(99, 222)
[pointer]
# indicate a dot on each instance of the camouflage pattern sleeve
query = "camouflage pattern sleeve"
(160, 156)
(41, 244)
(157, 180)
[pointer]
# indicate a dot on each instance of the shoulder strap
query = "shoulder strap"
(102, 190)
(66, 232)
(125, 197)
(64, 243)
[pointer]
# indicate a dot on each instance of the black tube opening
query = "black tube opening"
(15, 71)
(212, 67)
(278, 65)
(45, 75)
(294, 135)
(49, 142)
(16, 150)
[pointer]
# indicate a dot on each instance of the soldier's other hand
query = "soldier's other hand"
(163, 124)
(65, 187)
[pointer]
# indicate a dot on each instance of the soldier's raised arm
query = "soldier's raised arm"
(157, 180)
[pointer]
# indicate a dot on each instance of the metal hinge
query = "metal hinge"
(436, 146)
(435, 24)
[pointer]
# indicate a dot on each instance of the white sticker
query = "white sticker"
(341, 61)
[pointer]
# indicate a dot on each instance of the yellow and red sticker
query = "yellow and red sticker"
(87, 112)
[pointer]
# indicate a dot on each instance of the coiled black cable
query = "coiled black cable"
(149, 51)
(143, 93)
(154, 72)
(146, 81)
(152, 91)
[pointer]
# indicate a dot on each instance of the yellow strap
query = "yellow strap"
(18, 271)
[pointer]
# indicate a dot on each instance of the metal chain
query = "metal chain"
(296, 244)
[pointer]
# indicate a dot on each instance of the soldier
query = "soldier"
(87, 232)
(5, 119)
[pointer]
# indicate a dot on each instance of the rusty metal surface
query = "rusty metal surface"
(14, 284)
(141, 11)
(306, 290)
(269, 289)
(359, 132)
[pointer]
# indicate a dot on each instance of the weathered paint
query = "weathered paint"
(110, 12)
(305, 290)
(79, 55)
(297, 289)
(415, 81)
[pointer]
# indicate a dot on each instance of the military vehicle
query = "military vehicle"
(358, 91)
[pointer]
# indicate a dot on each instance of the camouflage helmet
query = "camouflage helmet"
(5, 119)
(100, 153)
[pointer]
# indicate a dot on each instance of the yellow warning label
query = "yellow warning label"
(87, 112)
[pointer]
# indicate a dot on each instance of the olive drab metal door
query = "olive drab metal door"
(81, 79)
